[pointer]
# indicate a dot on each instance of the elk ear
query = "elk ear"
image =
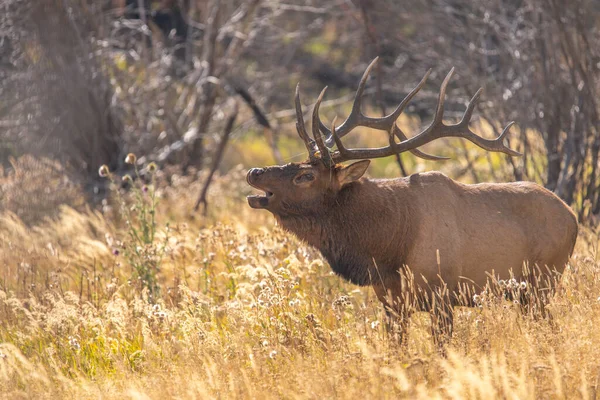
(352, 172)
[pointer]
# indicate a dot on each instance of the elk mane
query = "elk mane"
(351, 255)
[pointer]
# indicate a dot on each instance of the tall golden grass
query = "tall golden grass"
(247, 311)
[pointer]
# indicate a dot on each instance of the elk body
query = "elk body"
(448, 234)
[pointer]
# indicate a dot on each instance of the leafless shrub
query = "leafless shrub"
(58, 100)
(34, 189)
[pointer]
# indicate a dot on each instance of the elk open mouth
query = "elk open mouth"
(258, 200)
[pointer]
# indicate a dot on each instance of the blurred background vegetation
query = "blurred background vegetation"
(116, 287)
(84, 82)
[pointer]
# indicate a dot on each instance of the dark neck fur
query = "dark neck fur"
(363, 234)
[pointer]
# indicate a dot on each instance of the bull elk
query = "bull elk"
(447, 233)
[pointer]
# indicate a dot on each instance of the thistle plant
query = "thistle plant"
(141, 249)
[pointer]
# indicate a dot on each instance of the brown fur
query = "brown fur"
(369, 230)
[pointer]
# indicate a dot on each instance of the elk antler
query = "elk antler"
(308, 142)
(437, 129)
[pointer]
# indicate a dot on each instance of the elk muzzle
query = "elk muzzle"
(253, 179)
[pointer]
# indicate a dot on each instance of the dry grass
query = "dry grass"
(247, 311)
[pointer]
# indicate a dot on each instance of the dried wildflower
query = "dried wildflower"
(312, 319)
(477, 299)
(158, 313)
(145, 189)
(275, 299)
(375, 325)
(130, 159)
(74, 343)
(273, 354)
(263, 285)
(294, 303)
(116, 252)
(152, 167)
(342, 301)
(523, 285)
(513, 284)
(502, 283)
(126, 179)
(103, 171)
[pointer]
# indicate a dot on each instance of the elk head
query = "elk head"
(301, 189)
(308, 188)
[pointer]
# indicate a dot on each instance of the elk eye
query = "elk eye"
(304, 178)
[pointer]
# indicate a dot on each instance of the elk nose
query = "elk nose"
(256, 171)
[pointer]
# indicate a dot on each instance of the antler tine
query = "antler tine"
(387, 123)
(439, 110)
(355, 114)
(356, 118)
(325, 156)
(470, 107)
(393, 130)
(300, 127)
(416, 152)
(437, 129)
(462, 130)
(342, 153)
(398, 132)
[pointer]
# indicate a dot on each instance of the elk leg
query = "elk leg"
(397, 324)
(442, 322)
(541, 287)
(397, 313)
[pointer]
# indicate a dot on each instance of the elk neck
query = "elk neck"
(364, 232)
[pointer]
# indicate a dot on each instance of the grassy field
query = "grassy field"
(241, 309)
